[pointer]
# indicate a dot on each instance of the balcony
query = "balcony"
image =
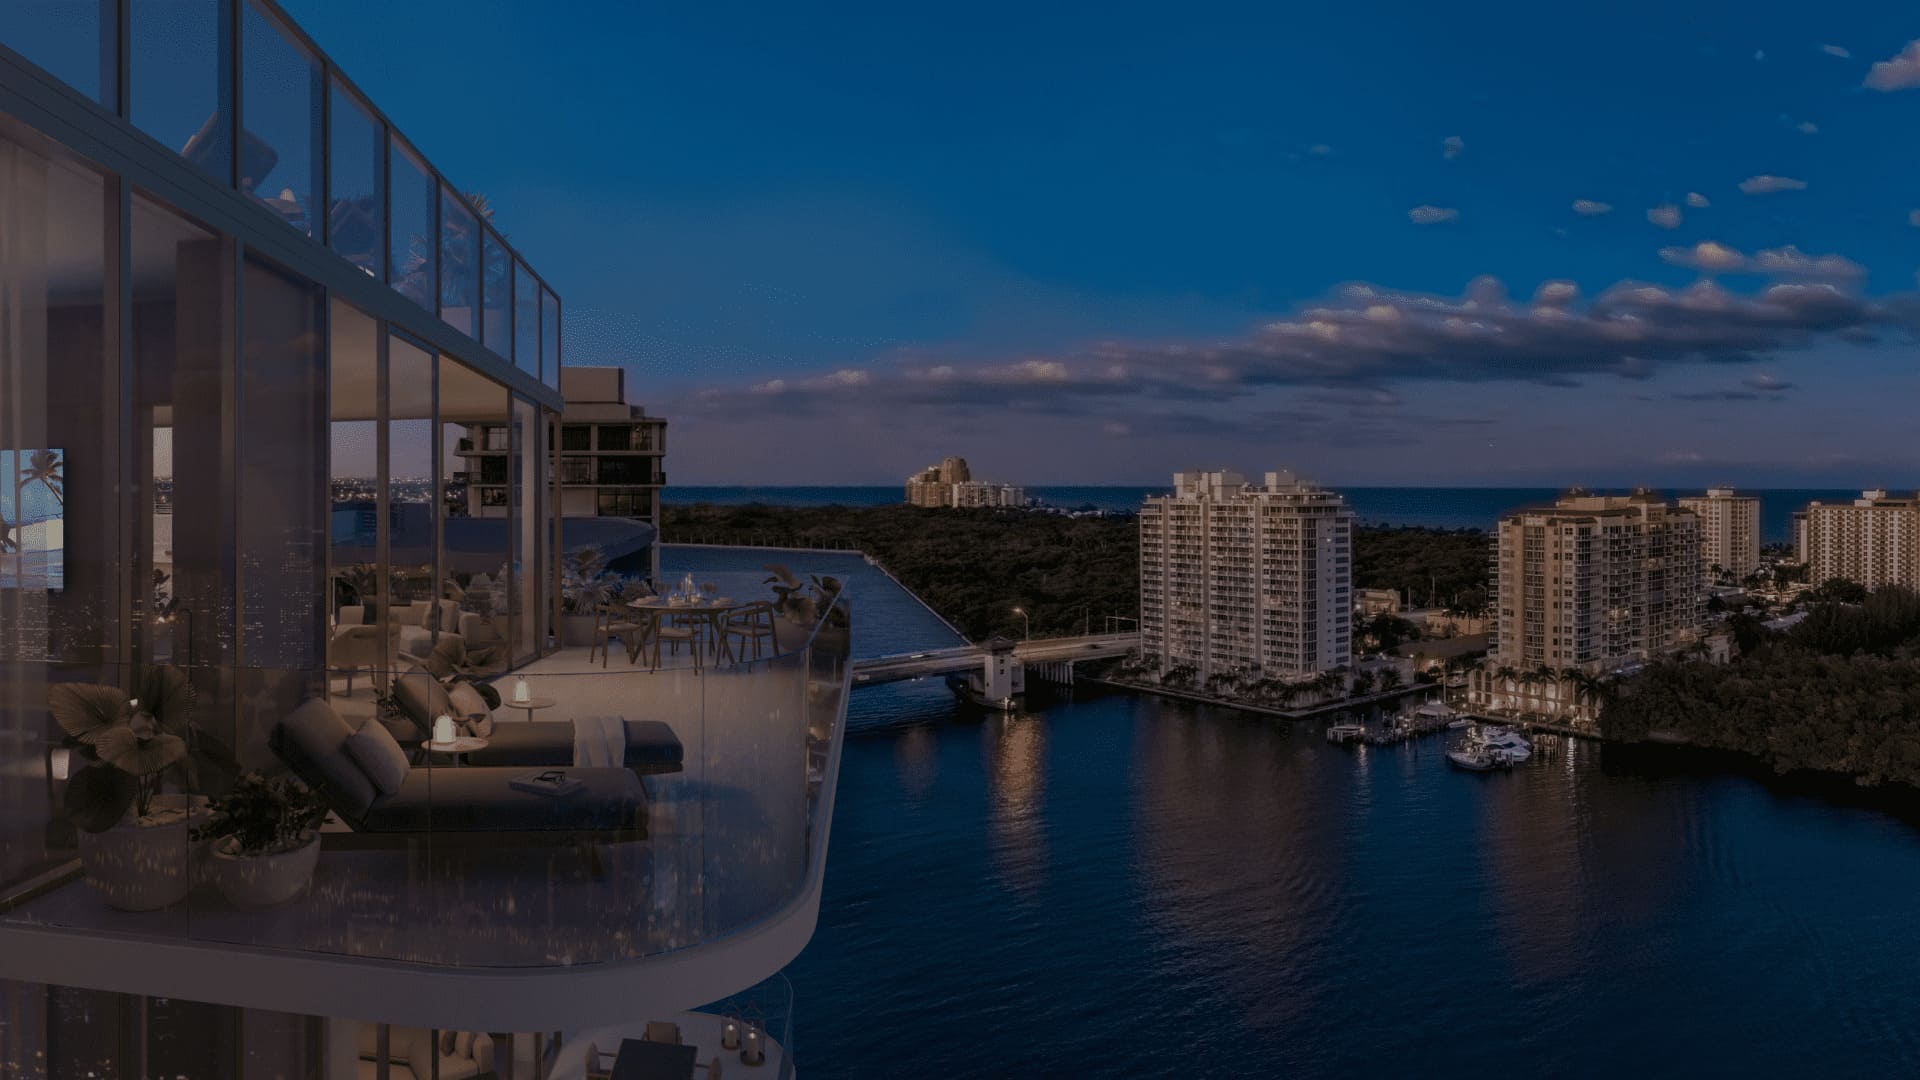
(651, 889)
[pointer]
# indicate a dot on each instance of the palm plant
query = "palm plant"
(44, 467)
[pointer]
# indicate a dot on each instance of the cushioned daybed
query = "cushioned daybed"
(651, 746)
(314, 741)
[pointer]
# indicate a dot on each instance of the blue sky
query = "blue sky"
(1085, 243)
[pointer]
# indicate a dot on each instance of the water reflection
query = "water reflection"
(1016, 750)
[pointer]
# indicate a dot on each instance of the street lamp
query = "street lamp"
(1027, 633)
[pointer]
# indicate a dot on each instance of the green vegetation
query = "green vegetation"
(976, 566)
(1839, 693)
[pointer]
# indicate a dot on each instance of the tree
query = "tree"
(1391, 680)
(45, 468)
(1361, 684)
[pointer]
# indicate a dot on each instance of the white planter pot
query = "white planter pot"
(260, 881)
(144, 867)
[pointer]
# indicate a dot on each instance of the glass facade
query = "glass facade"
(459, 265)
(412, 251)
(496, 319)
(550, 338)
(282, 95)
(526, 320)
(75, 40)
(180, 79)
(356, 154)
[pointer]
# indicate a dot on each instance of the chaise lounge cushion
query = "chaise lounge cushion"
(479, 799)
(652, 746)
(422, 698)
(379, 756)
(314, 740)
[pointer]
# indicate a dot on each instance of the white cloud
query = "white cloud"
(849, 377)
(1789, 261)
(1900, 73)
(1697, 200)
(1432, 215)
(1766, 185)
(1320, 150)
(1452, 147)
(1807, 127)
(1840, 51)
(1591, 208)
(1666, 215)
(1767, 382)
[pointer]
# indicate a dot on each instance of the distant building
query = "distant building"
(611, 456)
(1591, 583)
(1874, 540)
(1729, 530)
(951, 484)
(1239, 579)
(1800, 542)
(1378, 601)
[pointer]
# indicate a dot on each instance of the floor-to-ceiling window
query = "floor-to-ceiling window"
(356, 638)
(411, 494)
(61, 571)
(476, 548)
(282, 95)
(179, 86)
(529, 492)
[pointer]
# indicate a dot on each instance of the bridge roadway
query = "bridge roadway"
(903, 666)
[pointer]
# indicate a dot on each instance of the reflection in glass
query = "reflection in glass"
(459, 265)
(526, 320)
(280, 114)
(353, 223)
(175, 80)
(497, 285)
(60, 560)
(475, 561)
(282, 472)
(65, 37)
(410, 484)
(356, 642)
(550, 338)
(412, 250)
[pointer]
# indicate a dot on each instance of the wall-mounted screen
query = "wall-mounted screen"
(32, 519)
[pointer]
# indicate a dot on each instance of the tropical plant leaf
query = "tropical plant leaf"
(149, 756)
(168, 694)
(86, 710)
(111, 742)
(98, 797)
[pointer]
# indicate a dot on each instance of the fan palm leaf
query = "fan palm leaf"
(147, 757)
(87, 711)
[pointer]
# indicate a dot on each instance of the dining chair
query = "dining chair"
(752, 622)
(610, 622)
(662, 631)
(661, 1031)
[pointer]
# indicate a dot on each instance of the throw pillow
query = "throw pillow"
(467, 701)
(463, 1044)
(448, 1040)
(379, 756)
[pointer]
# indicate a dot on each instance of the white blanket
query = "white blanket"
(599, 741)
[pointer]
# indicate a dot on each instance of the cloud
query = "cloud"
(1709, 257)
(1353, 352)
(1900, 73)
(1840, 51)
(1766, 185)
(1452, 147)
(1913, 218)
(1759, 54)
(1116, 429)
(1591, 208)
(1320, 150)
(1697, 200)
(1666, 215)
(1807, 127)
(1766, 382)
(1432, 215)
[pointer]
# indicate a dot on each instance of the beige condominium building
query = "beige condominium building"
(1591, 583)
(951, 484)
(1729, 530)
(1237, 578)
(1874, 540)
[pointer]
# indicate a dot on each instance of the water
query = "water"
(1440, 508)
(1123, 886)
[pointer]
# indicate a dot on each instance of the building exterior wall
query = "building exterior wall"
(1589, 584)
(1244, 579)
(1874, 540)
(1729, 530)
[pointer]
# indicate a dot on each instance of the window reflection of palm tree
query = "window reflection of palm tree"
(45, 468)
(7, 542)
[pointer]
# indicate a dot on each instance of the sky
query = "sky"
(1393, 243)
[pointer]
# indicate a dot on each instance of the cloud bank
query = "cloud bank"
(1900, 73)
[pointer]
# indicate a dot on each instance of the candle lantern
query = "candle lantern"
(730, 1036)
(443, 729)
(520, 691)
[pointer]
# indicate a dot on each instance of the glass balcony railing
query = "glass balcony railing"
(609, 807)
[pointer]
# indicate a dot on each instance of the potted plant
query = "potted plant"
(135, 845)
(801, 603)
(265, 843)
(585, 584)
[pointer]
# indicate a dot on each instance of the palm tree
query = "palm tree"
(45, 467)
(1362, 684)
(1391, 680)
(7, 542)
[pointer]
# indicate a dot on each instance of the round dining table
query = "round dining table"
(712, 610)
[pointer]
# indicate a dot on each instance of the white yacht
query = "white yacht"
(1504, 742)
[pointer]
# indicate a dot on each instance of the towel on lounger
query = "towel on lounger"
(599, 741)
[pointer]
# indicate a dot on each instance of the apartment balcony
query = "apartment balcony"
(686, 863)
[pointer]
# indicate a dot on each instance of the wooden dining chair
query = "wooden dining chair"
(751, 622)
(663, 631)
(611, 622)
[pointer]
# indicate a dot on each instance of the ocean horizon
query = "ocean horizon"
(1426, 507)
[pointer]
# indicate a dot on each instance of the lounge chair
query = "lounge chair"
(312, 740)
(651, 746)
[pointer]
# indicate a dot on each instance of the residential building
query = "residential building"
(1242, 579)
(610, 462)
(1874, 540)
(1589, 584)
(976, 494)
(246, 326)
(1729, 531)
(933, 485)
(1802, 545)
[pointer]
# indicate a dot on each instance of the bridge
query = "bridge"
(1032, 652)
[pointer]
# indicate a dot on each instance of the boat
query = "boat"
(1505, 741)
(1346, 733)
(1460, 725)
(1474, 759)
(969, 690)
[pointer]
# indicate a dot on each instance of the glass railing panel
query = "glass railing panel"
(178, 56)
(69, 38)
(282, 97)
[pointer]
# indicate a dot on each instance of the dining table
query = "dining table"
(709, 610)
